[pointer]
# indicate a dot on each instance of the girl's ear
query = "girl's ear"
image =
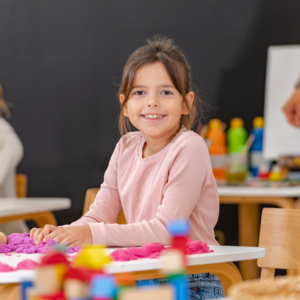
(190, 98)
(125, 110)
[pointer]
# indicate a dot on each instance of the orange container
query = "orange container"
(217, 148)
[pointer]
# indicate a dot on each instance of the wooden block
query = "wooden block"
(46, 280)
(75, 289)
(165, 292)
(172, 262)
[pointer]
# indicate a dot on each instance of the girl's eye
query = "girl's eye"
(138, 93)
(167, 93)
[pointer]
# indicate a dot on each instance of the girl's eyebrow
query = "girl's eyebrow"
(161, 86)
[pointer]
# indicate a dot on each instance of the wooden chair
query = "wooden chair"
(90, 196)
(280, 236)
(21, 185)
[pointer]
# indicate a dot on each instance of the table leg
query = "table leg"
(41, 218)
(10, 291)
(248, 236)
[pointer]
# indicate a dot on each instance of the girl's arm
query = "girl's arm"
(190, 181)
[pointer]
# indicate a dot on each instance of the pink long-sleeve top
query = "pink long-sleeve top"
(175, 183)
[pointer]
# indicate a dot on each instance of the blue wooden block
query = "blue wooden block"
(24, 286)
(180, 286)
(103, 286)
(179, 227)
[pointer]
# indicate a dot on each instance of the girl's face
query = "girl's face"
(154, 105)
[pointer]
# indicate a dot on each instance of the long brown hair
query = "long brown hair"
(160, 49)
(3, 107)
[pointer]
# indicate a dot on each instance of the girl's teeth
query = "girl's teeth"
(153, 117)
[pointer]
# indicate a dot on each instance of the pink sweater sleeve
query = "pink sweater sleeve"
(107, 205)
(187, 182)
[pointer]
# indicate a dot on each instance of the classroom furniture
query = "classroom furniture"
(21, 185)
(218, 262)
(280, 236)
(37, 209)
(248, 200)
(90, 196)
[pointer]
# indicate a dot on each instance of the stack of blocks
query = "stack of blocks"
(174, 260)
(85, 279)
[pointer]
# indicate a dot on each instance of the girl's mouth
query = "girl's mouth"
(153, 118)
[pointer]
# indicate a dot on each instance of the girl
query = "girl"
(158, 173)
(11, 152)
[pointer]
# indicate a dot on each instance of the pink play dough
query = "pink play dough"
(26, 264)
(6, 268)
(153, 250)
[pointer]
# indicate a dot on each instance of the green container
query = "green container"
(236, 136)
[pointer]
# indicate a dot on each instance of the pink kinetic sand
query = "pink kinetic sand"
(23, 243)
(6, 268)
(26, 264)
(153, 250)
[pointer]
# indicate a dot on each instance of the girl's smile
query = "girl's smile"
(153, 117)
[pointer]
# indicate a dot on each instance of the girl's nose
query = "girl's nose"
(152, 101)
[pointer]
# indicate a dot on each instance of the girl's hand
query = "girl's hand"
(39, 233)
(72, 236)
(3, 238)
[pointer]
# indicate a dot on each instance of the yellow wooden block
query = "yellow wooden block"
(165, 292)
(60, 271)
(92, 258)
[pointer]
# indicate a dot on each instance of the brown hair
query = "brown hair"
(3, 107)
(160, 49)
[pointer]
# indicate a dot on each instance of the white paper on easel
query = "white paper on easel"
(283, 72)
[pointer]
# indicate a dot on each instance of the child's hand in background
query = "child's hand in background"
(3, 238)
(38, 234)
(72, 236)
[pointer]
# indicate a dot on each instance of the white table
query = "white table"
(218, 262)
(248, 200)
(247, 191)
(37, 209)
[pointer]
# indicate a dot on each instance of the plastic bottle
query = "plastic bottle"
(275, 174)
(236, 136)
(236, 169)
(217, 148)
(256, 158)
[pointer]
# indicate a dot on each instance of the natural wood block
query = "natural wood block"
(75, 289)
(148, 293)
(172, 262)
(46, 281)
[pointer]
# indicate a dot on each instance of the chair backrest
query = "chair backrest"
(21, 185)
(90, 196)
(280, 236)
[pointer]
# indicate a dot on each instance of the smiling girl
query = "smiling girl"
(156, 174)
